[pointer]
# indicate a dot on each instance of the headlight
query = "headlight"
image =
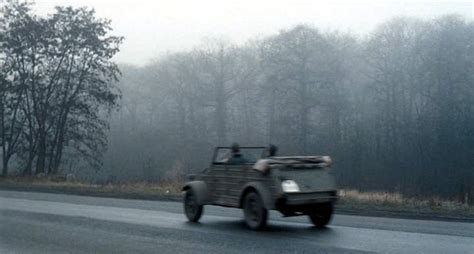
(289, 186)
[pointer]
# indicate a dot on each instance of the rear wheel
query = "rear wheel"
(192, 209)
(254, 211)
(321, 215)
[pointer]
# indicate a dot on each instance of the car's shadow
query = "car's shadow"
(277, 237)
(273, 227)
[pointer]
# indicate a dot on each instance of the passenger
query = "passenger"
(236, 156)
(272, 150)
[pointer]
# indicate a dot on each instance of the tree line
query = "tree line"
(57, 84)
(395, 108)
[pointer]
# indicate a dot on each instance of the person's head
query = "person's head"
(272, 150)
(235, 148)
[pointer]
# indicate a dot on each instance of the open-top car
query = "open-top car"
(253, 179)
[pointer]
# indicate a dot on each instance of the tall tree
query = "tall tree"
(220, 69)
(61, 69)
(296, 62)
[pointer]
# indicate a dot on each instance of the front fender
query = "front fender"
(200, 190)
(262, 190)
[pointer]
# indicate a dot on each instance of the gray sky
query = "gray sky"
(153, 27)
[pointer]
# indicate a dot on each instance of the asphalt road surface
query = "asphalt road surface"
(52, 223)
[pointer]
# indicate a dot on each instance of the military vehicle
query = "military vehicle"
(253, 179)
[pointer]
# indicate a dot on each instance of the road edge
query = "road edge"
(341, 208)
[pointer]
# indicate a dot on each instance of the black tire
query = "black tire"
(321, 215)
(255, 214)
(192, 209)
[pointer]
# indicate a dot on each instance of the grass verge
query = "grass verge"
(351, 201)
(396, 205)
(133, 190)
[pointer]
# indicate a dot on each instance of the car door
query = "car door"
(217, 182)
(235, 181)
(217, 176)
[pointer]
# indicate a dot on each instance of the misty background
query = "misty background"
(155, 27)
(385, 88)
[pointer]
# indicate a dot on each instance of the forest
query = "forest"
(394, 108)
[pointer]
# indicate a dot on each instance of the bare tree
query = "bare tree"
(61, 77)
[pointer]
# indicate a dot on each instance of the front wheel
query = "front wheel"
(321, 215)
(254, 211)
(192, 209)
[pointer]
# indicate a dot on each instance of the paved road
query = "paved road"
(52, 223)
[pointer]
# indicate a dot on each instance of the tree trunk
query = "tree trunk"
(272, 113)
(5, 166)
(4, 148)
(221, 114)
(29, 165)
(57, 158)
(41, 161)
(221, 100)
(304, 119)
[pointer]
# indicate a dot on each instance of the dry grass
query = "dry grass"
(398, 201)
(46, 182)
(159, 188)
(163, 188)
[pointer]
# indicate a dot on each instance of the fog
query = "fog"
(385, 88)
(154, 27)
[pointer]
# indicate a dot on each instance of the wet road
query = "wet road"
(52, 223)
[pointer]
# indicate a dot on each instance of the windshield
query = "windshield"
(249, 154)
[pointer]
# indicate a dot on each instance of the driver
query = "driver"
(236, 157)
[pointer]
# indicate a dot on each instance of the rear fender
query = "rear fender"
(200, 190)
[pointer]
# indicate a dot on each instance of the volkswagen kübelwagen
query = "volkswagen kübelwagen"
(258, 182)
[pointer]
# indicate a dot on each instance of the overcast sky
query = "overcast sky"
(153, 27)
